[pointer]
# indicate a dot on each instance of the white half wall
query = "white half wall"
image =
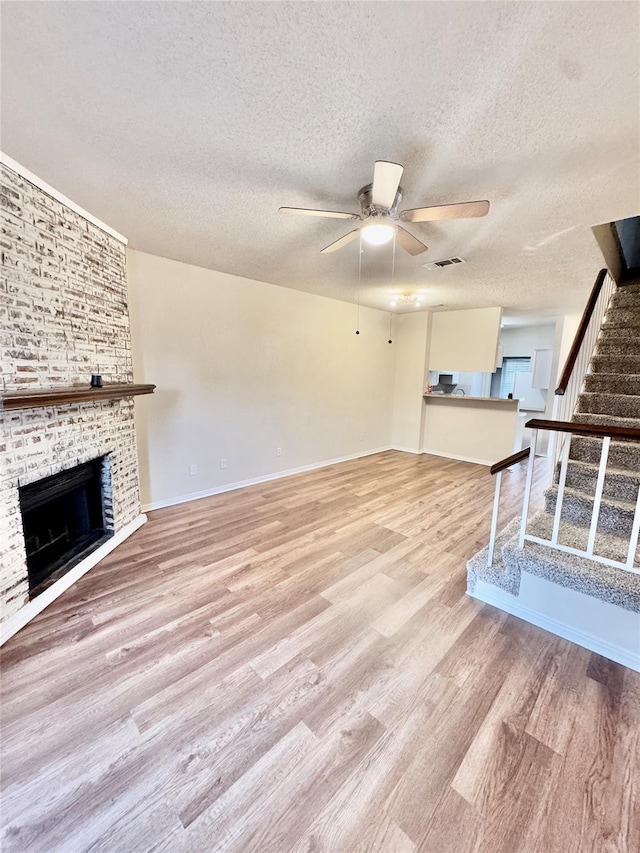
(475, 430)
(243, 368)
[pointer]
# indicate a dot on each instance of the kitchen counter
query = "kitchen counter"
(474, 429)
(501, 401)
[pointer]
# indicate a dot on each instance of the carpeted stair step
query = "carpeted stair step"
(617, 586)
(619, 332)
(625, 297)
(618, 405)
(632, 284)
(607, 583)
(500, 574)
(612, 383)
(618, 483)
(623, 318)
(615, 363)
(616, 516)
(622, 454)
(614, 345)
(605, 420)
(606, 544)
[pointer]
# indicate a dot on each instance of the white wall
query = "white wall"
(465, 340)
(523, 340)
(411, 339)
(565, 335)
(242, 368)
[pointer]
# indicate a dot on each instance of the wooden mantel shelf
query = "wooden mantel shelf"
(72, 394)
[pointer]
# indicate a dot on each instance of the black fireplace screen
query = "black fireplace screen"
(63, 521)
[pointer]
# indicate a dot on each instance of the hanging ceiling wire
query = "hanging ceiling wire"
(393, 275)
(359, 283)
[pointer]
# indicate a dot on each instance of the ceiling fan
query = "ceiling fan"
(379, 212)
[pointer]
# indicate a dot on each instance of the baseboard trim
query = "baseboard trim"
(510, 604)
(458, 458)
(255, 481)
(18, 620)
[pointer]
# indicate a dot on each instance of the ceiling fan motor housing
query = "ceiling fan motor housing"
(369, 209)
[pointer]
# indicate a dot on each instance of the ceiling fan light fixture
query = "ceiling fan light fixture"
(412, 299)
(379, 203)
(377, 234)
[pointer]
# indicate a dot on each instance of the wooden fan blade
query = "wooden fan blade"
(446, 211)
(386, 180)
(332, 214)
(408, 242)
(333, 247)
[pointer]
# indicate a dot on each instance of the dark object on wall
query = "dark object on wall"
(627, 232)
(96, 380)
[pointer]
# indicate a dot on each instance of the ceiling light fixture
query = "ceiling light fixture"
(377, 233)
(413, 299)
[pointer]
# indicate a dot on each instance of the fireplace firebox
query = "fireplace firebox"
(63, 520)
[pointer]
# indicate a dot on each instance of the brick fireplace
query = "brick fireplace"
(64, 316)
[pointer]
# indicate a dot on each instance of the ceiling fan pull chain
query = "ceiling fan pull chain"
(393, 259)
(359, 281)
(393, 277)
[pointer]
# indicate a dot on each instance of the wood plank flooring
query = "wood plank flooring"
(295, 667)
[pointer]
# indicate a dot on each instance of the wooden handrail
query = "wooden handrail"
(580, 334)
(593, 430)
(510, 460)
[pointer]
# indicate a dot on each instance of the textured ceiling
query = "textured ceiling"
(186, 125)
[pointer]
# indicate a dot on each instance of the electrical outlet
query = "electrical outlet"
(361, 436)
(278, 451)
(193, 470)
(223, 463)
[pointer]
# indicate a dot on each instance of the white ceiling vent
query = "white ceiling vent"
(447, 262)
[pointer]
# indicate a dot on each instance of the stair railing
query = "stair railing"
(577, 365)
(606, 433)
(571, 384)
(497, 469)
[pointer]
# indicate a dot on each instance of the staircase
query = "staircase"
(610, 396)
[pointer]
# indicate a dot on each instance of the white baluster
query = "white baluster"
(597, 500)
(527, 488)
(494, 519)
(560, 495)
(635, 532)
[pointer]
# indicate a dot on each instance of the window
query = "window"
(511, 366)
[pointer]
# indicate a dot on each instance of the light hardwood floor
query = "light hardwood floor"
(296, 667)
